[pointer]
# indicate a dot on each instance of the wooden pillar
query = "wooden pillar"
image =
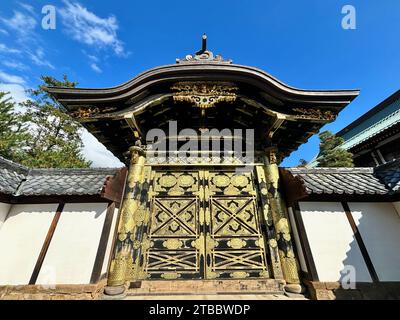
(280, 219)
(121, 267)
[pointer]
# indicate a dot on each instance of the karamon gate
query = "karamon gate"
(212, 215)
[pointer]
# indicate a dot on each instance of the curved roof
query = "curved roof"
(118, 116)
(214, 71)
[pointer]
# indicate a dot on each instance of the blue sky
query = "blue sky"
(302, 43)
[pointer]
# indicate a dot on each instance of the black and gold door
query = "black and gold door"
(204, 224)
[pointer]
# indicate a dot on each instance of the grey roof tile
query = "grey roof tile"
(389, 173)
(360, 181)
(11, 176)
(18, 180)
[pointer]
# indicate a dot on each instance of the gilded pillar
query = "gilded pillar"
(122, 264)
(280, 219)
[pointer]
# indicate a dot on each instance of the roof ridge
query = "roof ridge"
(21, 183)
(13, 165)
(328, 170)
(39, 171)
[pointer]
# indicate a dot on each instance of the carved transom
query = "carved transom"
(204, 95)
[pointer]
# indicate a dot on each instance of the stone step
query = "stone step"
(201, 287)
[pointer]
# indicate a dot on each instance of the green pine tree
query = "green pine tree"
(53, 139)
(302, 163)
(13, 131)
(331, 154)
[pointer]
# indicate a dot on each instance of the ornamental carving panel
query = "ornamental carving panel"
(204, 95)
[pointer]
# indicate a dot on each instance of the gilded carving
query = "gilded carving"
(204, 95)
(186, 181)
(277, 208)
(273, 243)
(170, 276)
(239, 181)
(314, 114)
(88, 112)
(173, 244)
(167, 181)
(221, 181)
(236, 243)
(239, 275)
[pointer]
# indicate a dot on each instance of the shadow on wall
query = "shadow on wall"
(371, 269)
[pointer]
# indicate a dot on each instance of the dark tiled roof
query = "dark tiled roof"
(18, 180)
(389, 173)
(359, 181)
(11, 176)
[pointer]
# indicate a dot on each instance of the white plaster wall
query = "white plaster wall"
(21, 239)
(379, 226)
(332, 241)
(302, 261)
(4, 210)
(107, 256)
(397, 207)
(72, 251)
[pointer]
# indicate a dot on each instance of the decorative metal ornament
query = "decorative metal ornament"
(236, 243)
(89, 112)
(203, 56)
(170, 276)
(221, 181)
(314, 114)
(204, 95)
(172, 244)
(239, 275)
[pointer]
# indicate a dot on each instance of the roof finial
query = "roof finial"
(203, 45)
(203, 55)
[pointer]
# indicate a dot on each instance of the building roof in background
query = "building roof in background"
(383, 117)
(17, 180)
(382, 180)
(390, 174)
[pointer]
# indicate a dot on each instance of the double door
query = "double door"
(203, 224)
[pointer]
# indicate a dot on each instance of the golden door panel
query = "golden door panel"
(204, 225)
(237, 247)
(174, 226)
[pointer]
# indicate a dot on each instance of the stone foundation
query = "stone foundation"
(196, 287)
(58, 292)
(363, 291)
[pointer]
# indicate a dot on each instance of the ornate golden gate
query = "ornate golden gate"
(202, 224)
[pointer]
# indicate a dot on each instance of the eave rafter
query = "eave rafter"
(280, 112)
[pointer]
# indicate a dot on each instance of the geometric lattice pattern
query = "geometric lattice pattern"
(204, 225)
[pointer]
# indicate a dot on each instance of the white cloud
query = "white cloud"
(5, 49)
(27, 7)
(96, 152)
(15, 65)
(22, 23)
(2, 31)
(10, 78)
(93, 58)
(17, 91)
(38, 58)
(86, 27)
(96, 68)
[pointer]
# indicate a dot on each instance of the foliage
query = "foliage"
(302, 163)
(53, 139)
(331, 154)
